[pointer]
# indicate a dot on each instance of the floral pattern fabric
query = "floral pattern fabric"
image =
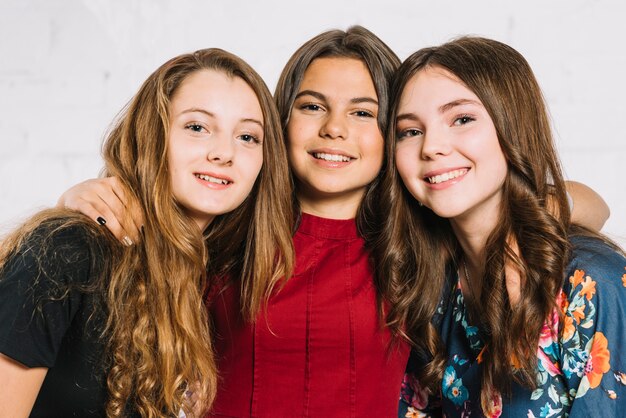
(581, 359)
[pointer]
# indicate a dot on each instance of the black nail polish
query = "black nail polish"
(101, 220)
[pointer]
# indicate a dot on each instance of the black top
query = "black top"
(51, 316)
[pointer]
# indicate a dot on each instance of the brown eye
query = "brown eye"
(249, 138)
(195, 127)
(409, 133)
(363, 114)
(312, 107)
(463, 120)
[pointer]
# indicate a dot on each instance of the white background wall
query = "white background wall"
(68, 66)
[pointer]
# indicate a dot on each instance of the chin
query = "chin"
(444, 212)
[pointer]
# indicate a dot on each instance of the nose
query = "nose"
(221, 150)
(334, 126)
(435, 144)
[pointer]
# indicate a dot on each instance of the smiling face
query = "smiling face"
(447, 150)
(334, 143)
(215, 144)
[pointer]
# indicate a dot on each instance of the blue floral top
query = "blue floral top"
(582, 360)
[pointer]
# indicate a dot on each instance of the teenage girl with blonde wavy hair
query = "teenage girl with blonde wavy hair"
(90, 327)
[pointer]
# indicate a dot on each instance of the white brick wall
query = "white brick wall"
(68, 66)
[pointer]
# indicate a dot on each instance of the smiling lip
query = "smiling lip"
(441, 179)
(213, 180)
(331, 158)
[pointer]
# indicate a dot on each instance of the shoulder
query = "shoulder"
(594, 289)
(593, 303)
(51, 272)
(57, 247)
(594, 259)
(593, 250)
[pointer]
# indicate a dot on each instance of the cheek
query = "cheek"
(377, 148)
(372, 148)
(175, 159)
(406, 166)
(293, 143)
(297, 130)
(502, 169)
(296, 153)
(497, 161)
(252, 162)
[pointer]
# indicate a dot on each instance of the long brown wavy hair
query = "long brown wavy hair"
(157, 330)
(358, 43)
(418, 245)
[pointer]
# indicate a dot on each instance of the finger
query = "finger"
(102, 196)
(132, 216)
(96, 199)
(108, 200)
(102, 214)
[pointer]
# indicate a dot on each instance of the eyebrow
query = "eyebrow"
(407, 116)
(458, 102)
(212, 115)
(322, 97)
(442, 109)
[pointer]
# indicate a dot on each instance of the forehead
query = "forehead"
(339, 74)
(214, 88)
(434, 86)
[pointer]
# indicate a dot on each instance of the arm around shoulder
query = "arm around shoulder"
(105, 201)
(588, 207)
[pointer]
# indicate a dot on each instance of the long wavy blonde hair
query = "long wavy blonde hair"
(157, 330)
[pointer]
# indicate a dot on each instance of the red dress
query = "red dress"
(319, 349)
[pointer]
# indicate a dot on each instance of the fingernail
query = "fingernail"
(101, 220)
(127, 241)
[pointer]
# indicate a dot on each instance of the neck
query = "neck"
(472, 229)
(472, 235)
(473, 239)
(204, 222)
(331, 207)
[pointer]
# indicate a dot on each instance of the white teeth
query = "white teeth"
(447, 176)
(331, 157)
(211, 179)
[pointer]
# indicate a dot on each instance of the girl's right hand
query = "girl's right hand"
(104, 200)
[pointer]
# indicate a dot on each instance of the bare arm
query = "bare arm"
(588, 209)
(19, 387)
(105, 201)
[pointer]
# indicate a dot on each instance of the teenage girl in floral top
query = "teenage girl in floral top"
(515, 311)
